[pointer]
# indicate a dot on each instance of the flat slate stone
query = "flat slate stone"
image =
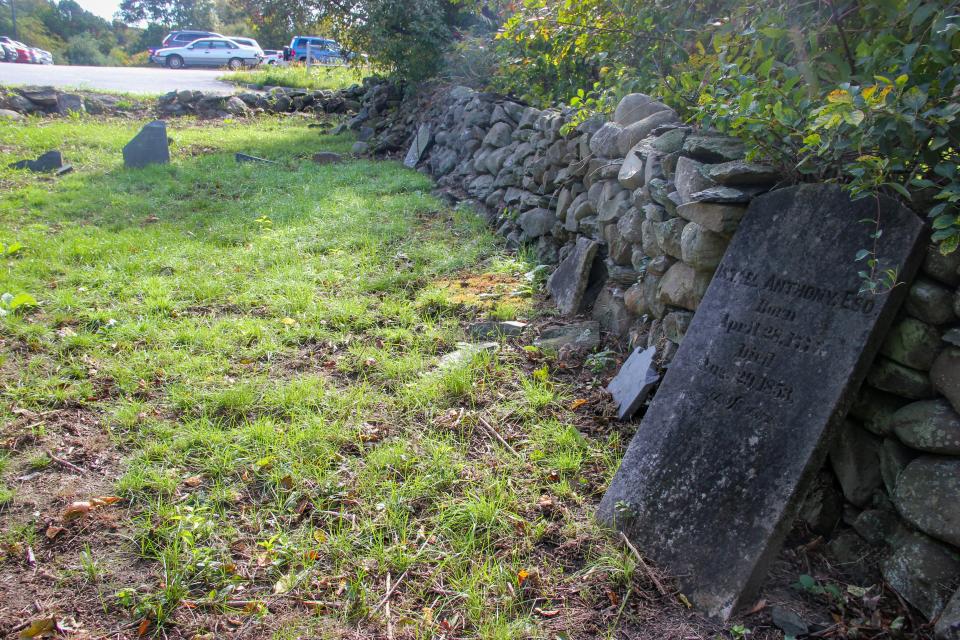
(50, 161)
(421, 142)
(148, 147)
(568, 283)
(634, 382)
(711, 482)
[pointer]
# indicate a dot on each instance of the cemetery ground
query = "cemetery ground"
(233, 412)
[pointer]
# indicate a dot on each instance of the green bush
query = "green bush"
(84, 49)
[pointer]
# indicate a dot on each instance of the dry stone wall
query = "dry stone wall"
(637, 212)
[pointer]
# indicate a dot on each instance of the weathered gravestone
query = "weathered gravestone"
(147, 147)
(710, 483)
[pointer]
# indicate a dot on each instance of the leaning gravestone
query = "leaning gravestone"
(148, 147)
(634, 382)
(709, 485)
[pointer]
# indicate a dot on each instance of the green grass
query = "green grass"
(261, 344)
(299, 76)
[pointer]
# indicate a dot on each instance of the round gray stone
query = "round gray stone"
(927, 497)
(924, 572)
(945, 375)
(929, 425)
(912, 343)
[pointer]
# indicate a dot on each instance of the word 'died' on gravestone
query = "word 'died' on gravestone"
(710, 483)
(150, 146)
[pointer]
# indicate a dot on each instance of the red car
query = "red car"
(22, 51)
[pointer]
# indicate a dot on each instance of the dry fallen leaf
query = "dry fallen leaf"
(193, 481)
(81, 508)
(522, 576)
(53, 531)
(550, 613)
(576, 404)
(144, 627)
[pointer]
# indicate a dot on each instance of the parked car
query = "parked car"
(182, 39)
(16, 51)
(272, 56)
(247, 42)
(44, 56)
(322, 50)
(207, 52)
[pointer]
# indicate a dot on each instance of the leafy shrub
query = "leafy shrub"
(866, 96)
(84, 49)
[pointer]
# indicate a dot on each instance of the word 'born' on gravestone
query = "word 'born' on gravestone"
(710, 483)
(150, 146)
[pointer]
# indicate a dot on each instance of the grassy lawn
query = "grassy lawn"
(249, 358)
(299, 76)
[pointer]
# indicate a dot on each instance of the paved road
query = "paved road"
(129, 79)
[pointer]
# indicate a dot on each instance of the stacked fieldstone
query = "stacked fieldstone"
(639, 211)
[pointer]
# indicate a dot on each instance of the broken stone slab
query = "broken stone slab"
(421, 143)
(49, 161)
(568, 284)
(634, 382)
(465, 353)
(150, 146)
(327, 157)
(580, 335)
(744, 416)
(493, 330)
(243, 157)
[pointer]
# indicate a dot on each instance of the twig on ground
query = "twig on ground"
(493, 432)
(646, 568)
(66, 464)
(396, 584)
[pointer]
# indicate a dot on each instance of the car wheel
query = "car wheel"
(235, 64)
(174, 62)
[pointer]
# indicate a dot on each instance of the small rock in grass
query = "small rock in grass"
(327, 157)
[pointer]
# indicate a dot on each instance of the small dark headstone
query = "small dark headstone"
(634, 382)
(50, 161)
(147, 147)
(728, 448)
(243, 157)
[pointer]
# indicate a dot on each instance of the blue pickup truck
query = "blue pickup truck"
(322, 50)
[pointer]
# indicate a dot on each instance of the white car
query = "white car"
(247, 42)
(272, 56)
(44, 56)
(208, 52)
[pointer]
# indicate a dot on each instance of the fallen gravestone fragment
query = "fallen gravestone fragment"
(579, 335)
(466, 351)
(568, 283)
(634, 382)
(50, 161)
(421, 142)
(710, 483)
(493, 330)
(150, 146)
(243, 157)
(327, 157)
